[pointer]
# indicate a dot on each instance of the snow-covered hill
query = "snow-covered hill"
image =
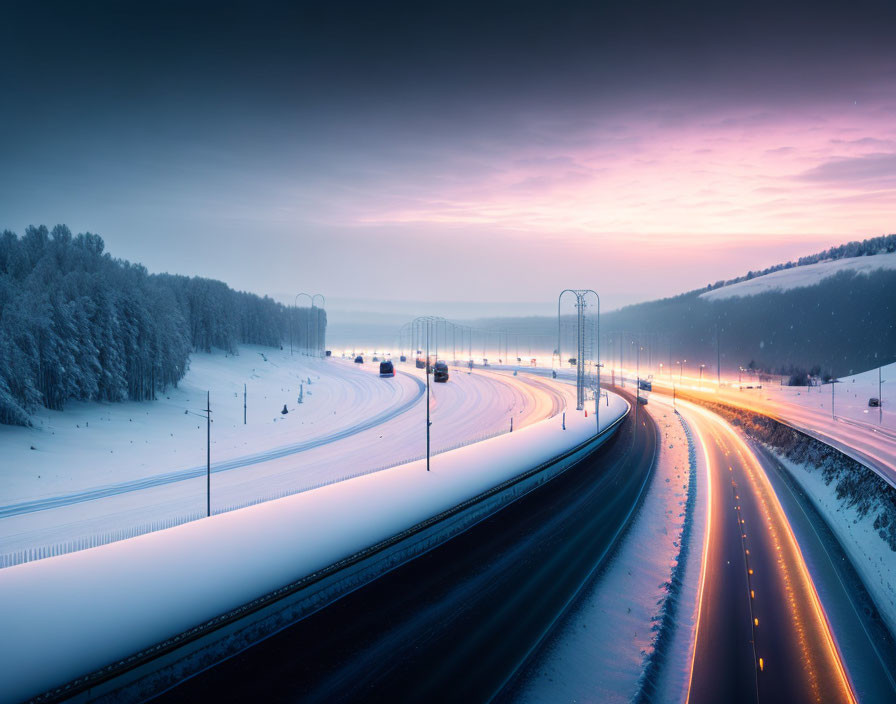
(802, 276)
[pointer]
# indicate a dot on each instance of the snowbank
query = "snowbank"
(600, 650)
(67, 616)
(801, 276)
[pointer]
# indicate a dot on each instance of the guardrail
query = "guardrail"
(154, 669)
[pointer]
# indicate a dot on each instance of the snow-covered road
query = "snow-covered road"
(354, 423)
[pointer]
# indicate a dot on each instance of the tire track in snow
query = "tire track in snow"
(193, 472)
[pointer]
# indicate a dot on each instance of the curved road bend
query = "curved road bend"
(180, 475)
(762, 635)
(457, 622)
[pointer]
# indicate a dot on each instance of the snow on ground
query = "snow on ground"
(801, 276)
(466, 409)
(851, 397)
(871, 556)
(90, 444)
(96, 606)
(599, 651)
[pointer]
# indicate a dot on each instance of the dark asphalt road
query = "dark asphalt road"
(761, 634)
(456, 623)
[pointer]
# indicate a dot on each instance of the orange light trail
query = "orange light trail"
(775, 516)
(747, 456)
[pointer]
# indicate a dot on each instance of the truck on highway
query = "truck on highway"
(440, 372)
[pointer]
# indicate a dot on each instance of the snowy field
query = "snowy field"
(600, 650)
(91, 444)
(801, 276)
(108, 602)
(142, 466)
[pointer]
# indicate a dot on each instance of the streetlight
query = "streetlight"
(296, 306)
(701, 374)
(319, 343)
(580, 295)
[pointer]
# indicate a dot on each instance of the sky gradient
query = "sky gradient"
(451, 152)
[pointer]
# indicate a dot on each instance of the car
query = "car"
(359, 360)
(402, 359)
(329, 353)
(440, 372)
(874, 403)
(420, 363)
(375, 358)
(387, 368)
(642, 400)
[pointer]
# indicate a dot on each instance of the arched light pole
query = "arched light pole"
(318, 337)
(599, 365)
(296, 307)
(580, 295)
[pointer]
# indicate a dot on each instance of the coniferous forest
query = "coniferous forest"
(78, 324)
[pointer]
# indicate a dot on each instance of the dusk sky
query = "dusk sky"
(449, 152)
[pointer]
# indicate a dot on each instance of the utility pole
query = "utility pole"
(718, 359)
(428, 325)
(244, 404)
(833, 382)
(880, 397)
(208, 453)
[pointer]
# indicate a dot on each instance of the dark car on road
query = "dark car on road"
(359, 360)
(440, 372)
(874, 402)
(386, 368)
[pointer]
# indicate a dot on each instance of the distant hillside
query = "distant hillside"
(843, 324)
(834, 311)
(802, 276)
(872, 246)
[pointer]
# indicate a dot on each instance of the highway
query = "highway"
(762, 634)
(458, 622)
(875, 447)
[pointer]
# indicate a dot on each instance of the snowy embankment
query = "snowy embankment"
(616, 643)
(801, 276)
(67, 616)
(874, 560)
